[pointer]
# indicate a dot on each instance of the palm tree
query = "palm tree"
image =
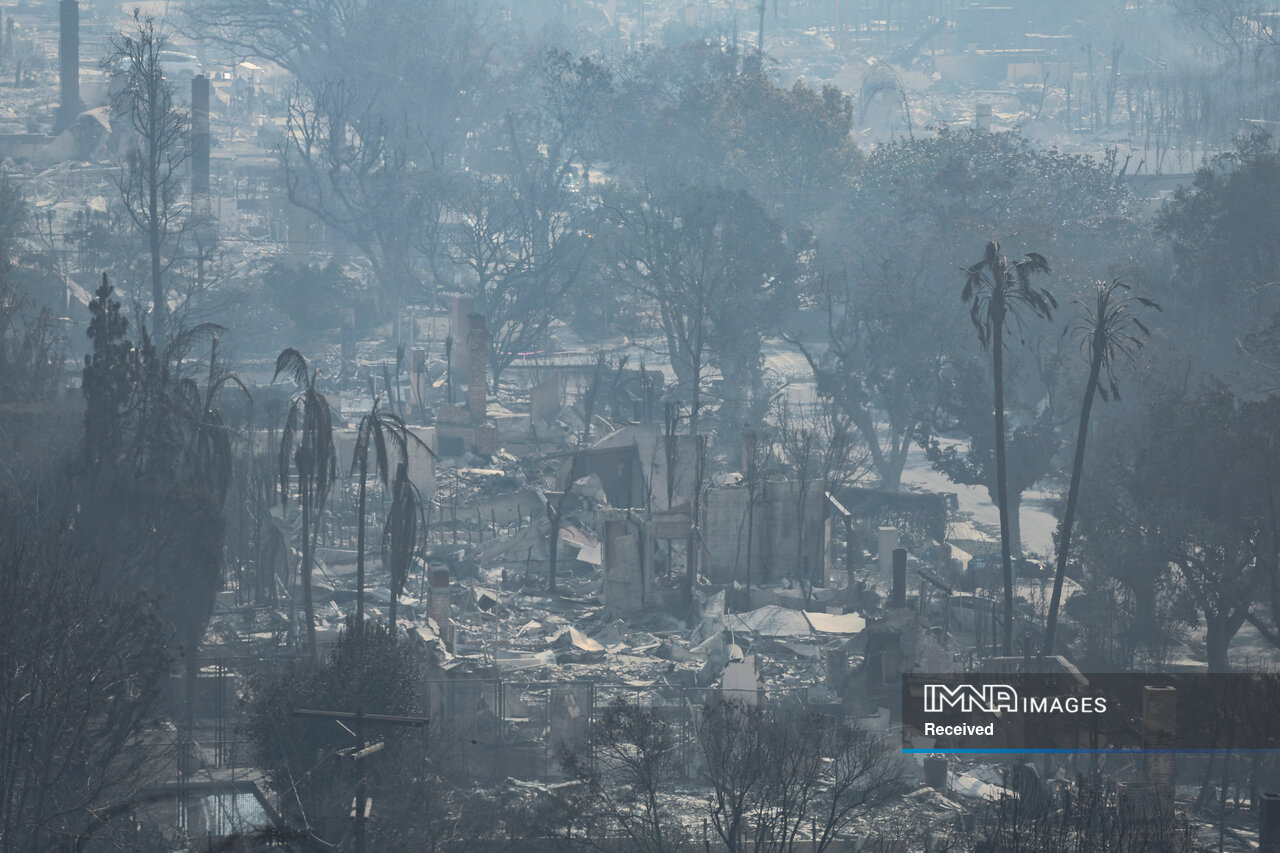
(306, 444)
(1108, 330)
(401, 541)
(207, 461)
(389, 436)
(209, 437)
(998, 291)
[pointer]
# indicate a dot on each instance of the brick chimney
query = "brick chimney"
(440, 595)
(200, 143)
(69, 105)
(898, 596)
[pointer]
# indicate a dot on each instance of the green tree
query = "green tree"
(885, 359)
(1201, 509)
(417, 803)
(109, 373)
(1109, 331)
(15, 215)
(719, 273)
(154, 474)
(1220, 230)
(888, 251)
(311, 296)
(1031, 441)
(998, 292)
(306, 446)
(705, 113)
(1132, 610)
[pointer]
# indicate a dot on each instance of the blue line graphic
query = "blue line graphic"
(1080, 751)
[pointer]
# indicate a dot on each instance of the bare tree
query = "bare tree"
(718, 272)
(150, 179)
(860, 774)
(1094, 815)
(522, 245)
(812, 451)
(386, 95)
(635, 751)
(777, 777)
(731, 738)
(883, 381)
(523, 235)
(80, 684)
(30, 352)
(364, 174)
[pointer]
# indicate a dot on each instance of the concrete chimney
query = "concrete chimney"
(348, 340)
(459, 333)
(298, 222)
(837, 671)
(460, 318)
(888, 540)
(982, 118)
(69, 105)
(419, 375)
(200, 140)
(440, 602)
(899, 596)
(478, 345)
(749, 453)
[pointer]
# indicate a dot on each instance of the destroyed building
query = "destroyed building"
(552, 425)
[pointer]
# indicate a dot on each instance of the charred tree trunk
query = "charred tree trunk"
(1217, 641)
(364, 481)
(1002, 489)
(308, 555)
(1073, 498)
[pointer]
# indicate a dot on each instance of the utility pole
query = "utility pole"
(361, 751)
